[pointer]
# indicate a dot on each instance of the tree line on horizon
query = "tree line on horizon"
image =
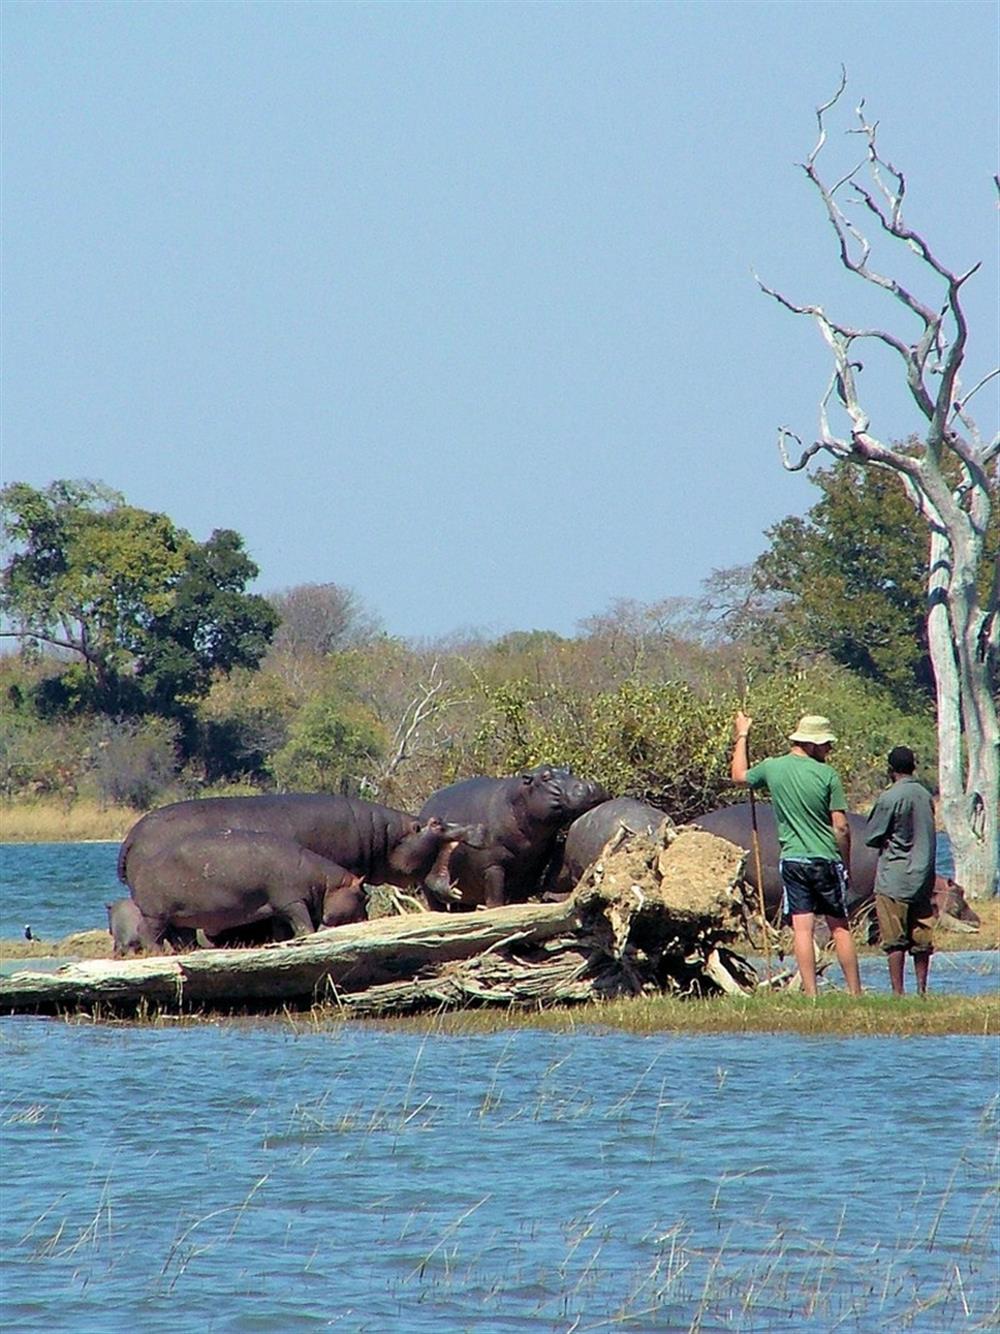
(145, 671)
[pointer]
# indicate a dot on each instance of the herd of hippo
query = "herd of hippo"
(256, 869)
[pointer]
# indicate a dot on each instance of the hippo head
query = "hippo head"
(425, 847)
(555, 796)
(952, 911)
(128, 928)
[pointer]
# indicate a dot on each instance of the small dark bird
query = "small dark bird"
(28, 933)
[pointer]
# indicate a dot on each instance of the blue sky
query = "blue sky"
(453, 303)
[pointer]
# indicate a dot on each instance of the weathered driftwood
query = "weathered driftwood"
(647, 916)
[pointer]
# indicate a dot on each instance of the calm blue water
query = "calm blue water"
(57, 887)
(242, 1177)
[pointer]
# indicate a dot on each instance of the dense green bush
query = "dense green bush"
(333, 745)
(671, 745)
(395, 722)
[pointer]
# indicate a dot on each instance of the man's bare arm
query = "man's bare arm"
(740, 763)
(842, 833)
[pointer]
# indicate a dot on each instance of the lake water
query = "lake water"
(239, 1176)
(244, 1177)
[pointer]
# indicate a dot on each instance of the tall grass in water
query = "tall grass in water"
(53, 821)
(723, 1258)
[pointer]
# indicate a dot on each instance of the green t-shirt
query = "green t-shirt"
(803, 793)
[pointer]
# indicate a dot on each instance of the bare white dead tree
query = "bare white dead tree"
(419, 730)
(950, 475)
(417, 713)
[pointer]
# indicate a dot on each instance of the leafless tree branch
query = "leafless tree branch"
(950, 476)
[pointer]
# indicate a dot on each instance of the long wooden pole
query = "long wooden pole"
(755, 845)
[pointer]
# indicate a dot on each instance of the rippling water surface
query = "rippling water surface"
(238, 1176)
(243, 1176)
(57, 887)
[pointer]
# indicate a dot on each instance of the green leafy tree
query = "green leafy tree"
(333, 745)
(210, 625)
(852, 575)
(670, 745)
(150, 613)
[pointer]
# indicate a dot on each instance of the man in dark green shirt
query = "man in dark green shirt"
(901, 826)
(810, 811)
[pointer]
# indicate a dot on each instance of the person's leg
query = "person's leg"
(896, 959)
(805, 955)
(847, 955)
(922, 967)
(920, 926)
(895, 936)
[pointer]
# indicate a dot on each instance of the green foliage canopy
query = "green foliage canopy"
(151, 613)
(670, 745)
(853, 576)
(332, 746)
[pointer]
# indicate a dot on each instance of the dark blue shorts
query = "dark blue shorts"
(817, 886)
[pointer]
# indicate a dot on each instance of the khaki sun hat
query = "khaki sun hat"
(814, 728)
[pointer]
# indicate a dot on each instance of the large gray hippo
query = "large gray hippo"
(522, 817)
(589, 833)
(223, 862)
(734, 823)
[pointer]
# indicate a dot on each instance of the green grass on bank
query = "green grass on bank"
(832, 1015)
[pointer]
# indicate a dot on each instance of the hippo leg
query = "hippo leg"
(437, 882)
(298, 917)
(496, 887)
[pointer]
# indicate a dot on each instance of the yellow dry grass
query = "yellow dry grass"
(53, 821)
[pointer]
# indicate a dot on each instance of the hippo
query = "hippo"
(950, 907)
(131, 934)
(216, 882)
(277, 856)
(733, 823)
(522, 817)
(589, 834)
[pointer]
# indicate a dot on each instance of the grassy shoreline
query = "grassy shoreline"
(46, 820)
(834, 1014)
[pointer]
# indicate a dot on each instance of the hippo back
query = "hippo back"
(358, 835)
(590, 832)
(734, 823)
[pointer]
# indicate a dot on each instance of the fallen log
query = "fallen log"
(648, 916)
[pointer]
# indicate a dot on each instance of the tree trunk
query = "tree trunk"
(951, 475)
(968, 734)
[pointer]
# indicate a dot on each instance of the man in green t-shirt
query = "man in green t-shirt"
(810, 811)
